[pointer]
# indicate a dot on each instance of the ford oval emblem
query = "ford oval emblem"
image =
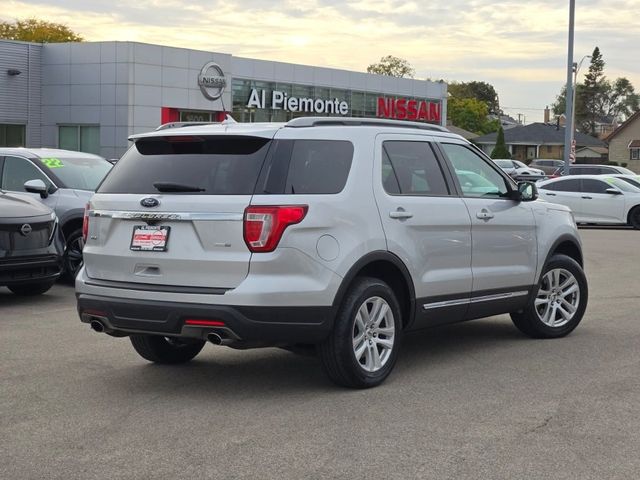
(149, 202)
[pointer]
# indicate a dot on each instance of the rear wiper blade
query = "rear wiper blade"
(176, 187)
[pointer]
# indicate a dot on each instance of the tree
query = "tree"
(482, 91)
(393, 67)
(500, 150)
(40, 31)
(598, 99)
(471, 114)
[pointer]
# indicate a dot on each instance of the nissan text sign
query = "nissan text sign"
(405, 109)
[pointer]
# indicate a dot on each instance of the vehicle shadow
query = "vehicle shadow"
(9, 299)
(272, 372)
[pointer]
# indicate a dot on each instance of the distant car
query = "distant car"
(547, 165)
(516, 168)
(589, 169)
(63, 180)
(600, 199)
(31, 245)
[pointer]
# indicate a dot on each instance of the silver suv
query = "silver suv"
(63, 180)
(344, 234)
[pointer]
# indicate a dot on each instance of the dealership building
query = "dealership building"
(91, 96)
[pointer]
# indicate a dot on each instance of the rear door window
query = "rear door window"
(411, 168)
(212, 165)
(568, 185)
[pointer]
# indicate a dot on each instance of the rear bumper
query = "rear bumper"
(242, 325)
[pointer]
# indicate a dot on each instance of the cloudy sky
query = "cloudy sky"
(519, 47)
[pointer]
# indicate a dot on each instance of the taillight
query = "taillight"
(264, 225)
(85, 223)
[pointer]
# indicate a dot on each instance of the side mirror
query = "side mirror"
(613, 191)
(528, 191)
(37, 186)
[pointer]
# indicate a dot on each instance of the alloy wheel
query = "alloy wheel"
(373, 334)
(73, 256)
(558, 298)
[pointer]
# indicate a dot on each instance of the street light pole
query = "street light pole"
(576, 69)
(568, 129)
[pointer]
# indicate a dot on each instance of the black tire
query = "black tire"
(164, 349)
(73, 254)
(31, 289)
(337, 351)
(529, 320)
(634, 217)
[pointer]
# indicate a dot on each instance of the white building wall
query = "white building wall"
(121, 86)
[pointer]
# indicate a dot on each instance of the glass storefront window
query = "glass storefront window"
(12, 135)
(360, 104)
(80, 138)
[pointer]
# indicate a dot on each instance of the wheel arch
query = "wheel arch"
(632, 210)
(71, 221)
(385, 266)
(566, 245)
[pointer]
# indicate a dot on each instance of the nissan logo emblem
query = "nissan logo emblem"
(149, 202)
(26, 229)
(212, 81)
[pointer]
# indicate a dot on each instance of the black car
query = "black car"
(31, 245)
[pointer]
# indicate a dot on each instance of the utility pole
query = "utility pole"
(568, 129)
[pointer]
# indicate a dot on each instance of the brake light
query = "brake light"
(85, 223)
(264, 225)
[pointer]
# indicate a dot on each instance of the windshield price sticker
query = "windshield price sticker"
(150, 238)
(52, 162)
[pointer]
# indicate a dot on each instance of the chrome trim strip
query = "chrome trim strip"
(447, 303)
(175, 216)
(499, 296)
(464, 301)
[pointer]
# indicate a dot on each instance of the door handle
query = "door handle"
(586, 197)
(484, 214)
(550, 194)
(400, 214)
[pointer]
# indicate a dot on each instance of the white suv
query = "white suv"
(339, 233)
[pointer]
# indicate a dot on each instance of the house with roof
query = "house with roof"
(461, 131)
(624, 143)
(536, 140)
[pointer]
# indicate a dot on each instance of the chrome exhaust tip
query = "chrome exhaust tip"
(214, 338)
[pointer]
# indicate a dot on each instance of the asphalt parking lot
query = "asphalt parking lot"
(475, 400)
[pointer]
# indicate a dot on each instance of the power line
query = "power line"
(523, 108)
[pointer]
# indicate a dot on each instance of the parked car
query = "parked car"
(589, 169)
(339, 233)
(547, 165)
(517, 168)
(61, 179)
(598, 199)
(31, 245)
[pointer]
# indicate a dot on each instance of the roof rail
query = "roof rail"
(166, 126)
(302, 122)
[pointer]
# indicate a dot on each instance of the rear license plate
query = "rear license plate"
(150, 238)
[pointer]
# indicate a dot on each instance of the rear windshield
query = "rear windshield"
(213, 165)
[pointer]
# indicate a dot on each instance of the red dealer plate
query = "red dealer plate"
(150, 238)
